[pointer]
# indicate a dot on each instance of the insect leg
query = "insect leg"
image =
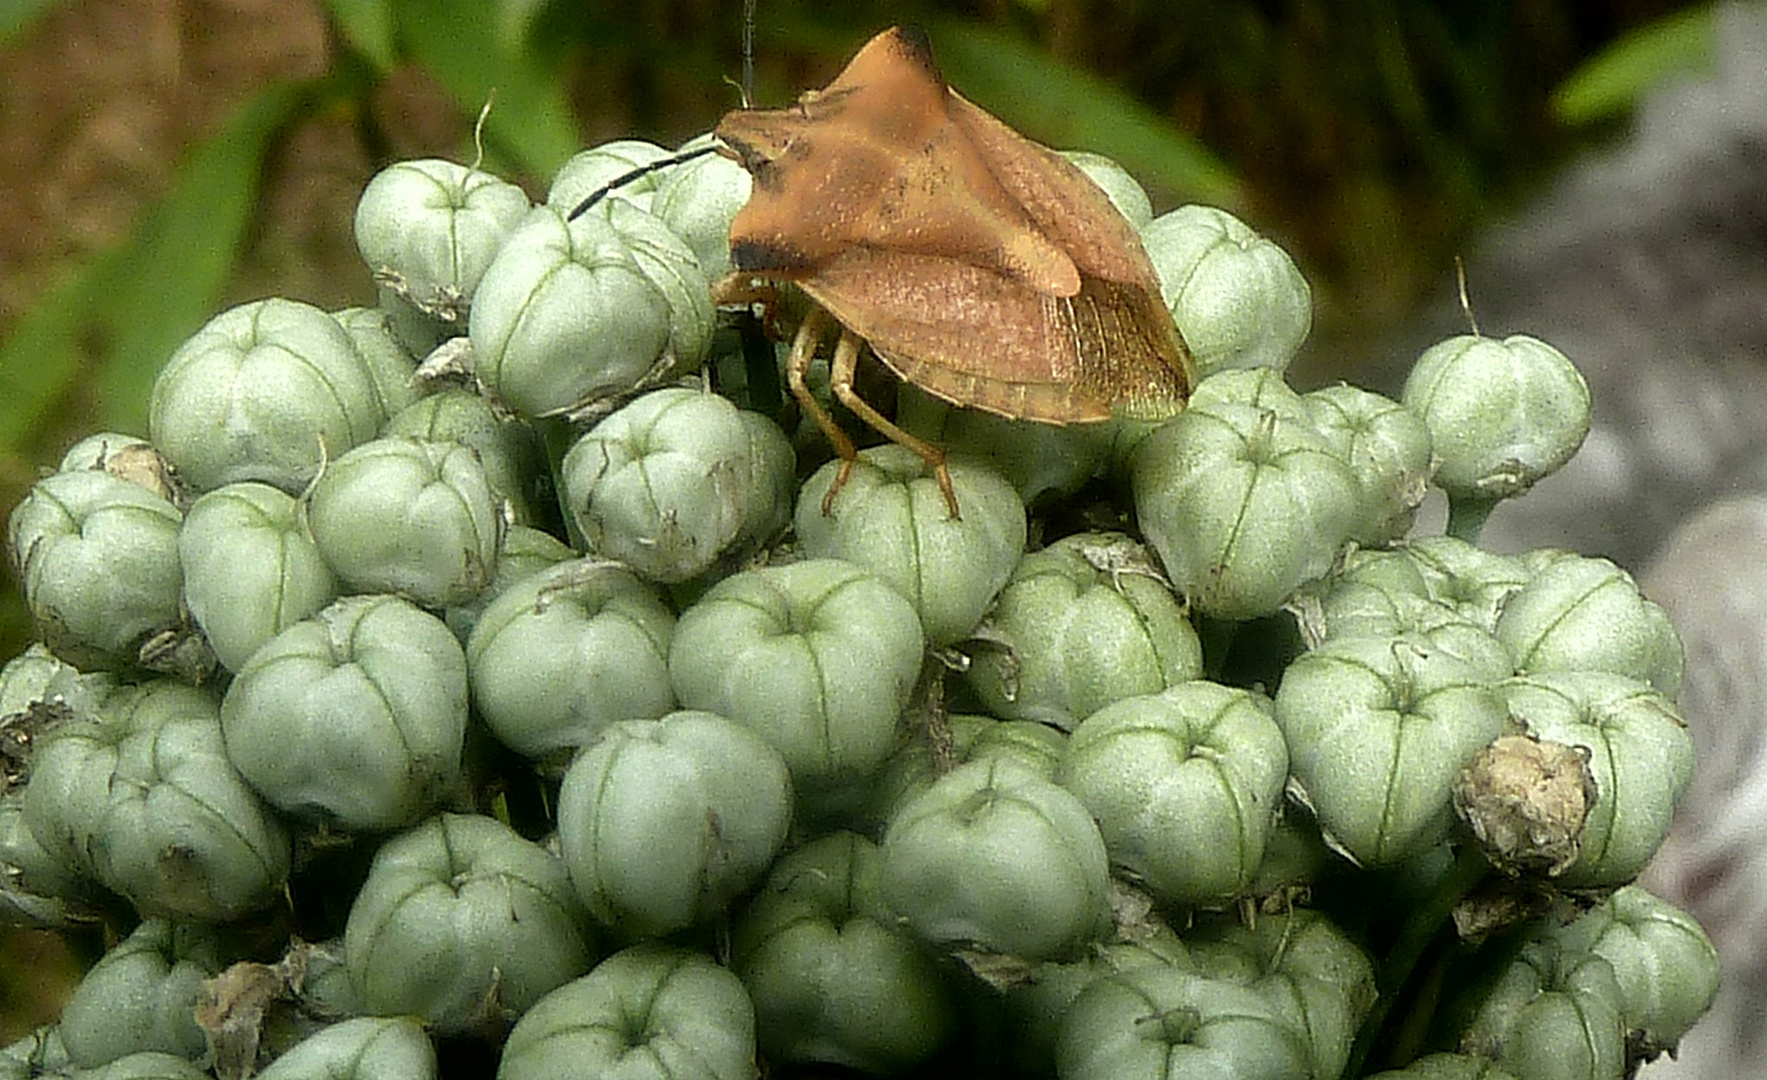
(803, 350)
(840, 381)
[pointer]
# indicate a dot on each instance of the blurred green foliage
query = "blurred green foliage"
(1611, 82)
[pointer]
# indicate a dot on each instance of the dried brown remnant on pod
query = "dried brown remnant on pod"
(1526, 801)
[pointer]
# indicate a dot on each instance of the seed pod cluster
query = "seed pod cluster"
(506, 679)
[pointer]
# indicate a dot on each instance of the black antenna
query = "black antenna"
(632, 174)
(748, 54)
(748, 102)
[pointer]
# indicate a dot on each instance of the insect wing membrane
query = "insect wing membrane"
(978, 338)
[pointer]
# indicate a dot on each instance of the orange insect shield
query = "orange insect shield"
(978, 265)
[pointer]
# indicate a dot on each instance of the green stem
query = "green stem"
(1217, 641)
(1466, 516)
(556, 437)
(761, 367)
(1428, 919)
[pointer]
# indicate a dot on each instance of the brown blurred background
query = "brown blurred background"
(163, 159)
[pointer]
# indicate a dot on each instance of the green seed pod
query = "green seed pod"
(590, 170)
(1553, 1014)
(251, 569)
(1640, 753)
(1377, 729)
(325, 989)
(1447, 1067)
(568, 651)
(35, 677)
(37, 1054)
(1242, 504)
(1041, 461)
(366, 1048)
(1236, 297)
(1037, 747)
(1162, 1022)
(370, 693)
(524, 552)
(819, 657)
(143, 798)
(409, 517)
(264, 391)
(1438, 587)
(389, 363)
(417, 331)
(664, 822)
(142, 995)
(1082, 623)
(98, 450)
(566, 316)
(1665, 964)
(459, 920)
(649, 1012)
(1126, 436)
(37, 891)
(833, 981)
(697, 200)
(506, 447)
(994, 857)
(1185, 785)
(1295, 855)
(98, 559)
(1501, 414)
(1384, 596)
(126, 458)
(1584, 614)
(1475, 582)
(1035, 1009)
(1304, 966)
(1372, 593)
(1263, 388)
(429, 228)
(891, 519)
(1388, 448)
(146, 1065)
(676, 480)
(668, 262)
(1125, 193)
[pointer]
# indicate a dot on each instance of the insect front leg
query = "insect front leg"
(840, 381)
(797, 365)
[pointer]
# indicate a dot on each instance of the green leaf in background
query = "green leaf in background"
(1611, 83)
(131, 306)
(42, 356)
(516, 19)
(370, 28)
(170, 277)
(17, 16)
(458, 42)
(1071, 110)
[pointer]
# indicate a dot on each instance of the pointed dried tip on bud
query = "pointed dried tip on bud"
(1526, 800)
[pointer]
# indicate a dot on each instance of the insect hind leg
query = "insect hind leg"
(840, 381)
